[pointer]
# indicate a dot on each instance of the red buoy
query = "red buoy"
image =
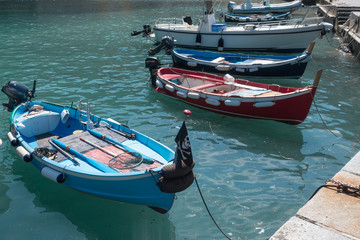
(187, 112)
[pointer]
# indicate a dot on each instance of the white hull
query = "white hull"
(275, 38)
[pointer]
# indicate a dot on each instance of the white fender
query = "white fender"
(170, 87)
(213, 102)
(181, 94)
(64, 115)
(223, 67)
(0, 142)
(53, 175)
(193, 95)
(240, 69)
(264, 104)
(233, 103)
(13, 140)
(159, 83)
(24, 154)
(192, 64)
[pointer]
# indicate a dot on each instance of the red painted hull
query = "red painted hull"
(288, 105)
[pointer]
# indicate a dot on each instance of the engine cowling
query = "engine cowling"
(17, 94)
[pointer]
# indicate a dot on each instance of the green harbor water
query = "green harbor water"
(253, 174)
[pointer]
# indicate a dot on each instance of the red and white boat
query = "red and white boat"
(236, 97)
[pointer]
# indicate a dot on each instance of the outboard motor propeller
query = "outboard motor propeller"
(146, 31)
(17, 93)
(166, 43)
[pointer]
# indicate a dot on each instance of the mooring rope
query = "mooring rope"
(322, 120)
(326, 126)
(207, 209)
(340, 186)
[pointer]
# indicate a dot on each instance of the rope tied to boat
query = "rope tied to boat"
(341, 187)
(207, 209)
(345, 187)
(45, 152)
(327, 127)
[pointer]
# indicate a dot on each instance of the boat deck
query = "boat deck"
(125, 160)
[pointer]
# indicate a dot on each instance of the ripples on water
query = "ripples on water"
(253, 174)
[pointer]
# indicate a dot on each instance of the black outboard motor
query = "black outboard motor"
(17, 93)
(188, 20)
(153, 64)
(166, 43)
(146, 31)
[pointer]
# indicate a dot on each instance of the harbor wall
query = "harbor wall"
(344, 15)
(332, 213)
(350, 33)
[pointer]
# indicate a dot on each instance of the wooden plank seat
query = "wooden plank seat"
(172, 76)
(205, 86)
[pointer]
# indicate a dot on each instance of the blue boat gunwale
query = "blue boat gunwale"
(207, 56)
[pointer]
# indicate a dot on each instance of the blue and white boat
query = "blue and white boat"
(292, 66)
(256, 17)
(94, 155)
(264, 7)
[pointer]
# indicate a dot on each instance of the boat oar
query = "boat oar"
(98, 135)
(123, 133)
(98, 147)
(114, 155)
(100, 166)
(64, 153)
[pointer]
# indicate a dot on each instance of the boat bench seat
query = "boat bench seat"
(217, 60)
(201, 87)
(235, 91)
(256, 61)
(37, 124)
(172, 76)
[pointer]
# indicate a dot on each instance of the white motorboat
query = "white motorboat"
(275, 36)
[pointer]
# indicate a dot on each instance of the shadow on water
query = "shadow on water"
(276, 135)
(95, 217)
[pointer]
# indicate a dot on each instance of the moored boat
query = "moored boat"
(265, 7)
(256, 17)
(275, 37)
(95, 155)
(242, 64)
(234, 97)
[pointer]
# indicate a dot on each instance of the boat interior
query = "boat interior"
(226, 88)
(119, 151)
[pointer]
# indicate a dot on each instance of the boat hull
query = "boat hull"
(141, 189)
(258, 39)
(252, 66)
(35, 130)
(291, 108)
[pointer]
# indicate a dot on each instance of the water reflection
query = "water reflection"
(105, 219)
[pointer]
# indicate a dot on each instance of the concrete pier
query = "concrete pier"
(332, 213)
(345, 16)
(350, 33)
